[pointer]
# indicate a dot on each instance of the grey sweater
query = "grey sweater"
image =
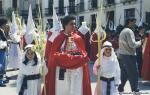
(127, 43)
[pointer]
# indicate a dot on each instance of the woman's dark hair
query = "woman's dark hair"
(27, 60)
(3, 22)
(66, 20)
(129, 20)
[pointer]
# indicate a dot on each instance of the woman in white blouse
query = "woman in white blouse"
(109, 70)
(28, 82)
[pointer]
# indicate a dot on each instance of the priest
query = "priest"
(68, 72)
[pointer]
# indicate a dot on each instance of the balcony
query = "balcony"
(93, 4)
(127, 1)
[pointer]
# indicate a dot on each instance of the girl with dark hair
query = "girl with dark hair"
(28, 82)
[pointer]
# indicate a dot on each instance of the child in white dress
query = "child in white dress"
(28, 82)
(109, 70)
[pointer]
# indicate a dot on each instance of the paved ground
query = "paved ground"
(11, 87)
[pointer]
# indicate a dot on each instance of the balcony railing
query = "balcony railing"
(110, 1)
(24, 13)
(93, 4)
(127, 1)
(48, 11)
(61, 10)
(71, 10)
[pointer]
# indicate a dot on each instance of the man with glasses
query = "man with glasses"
(4, 31)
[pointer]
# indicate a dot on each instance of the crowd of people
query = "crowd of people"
(124, 56)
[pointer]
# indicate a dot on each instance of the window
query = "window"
(71, 6)
(50, 7)
(110, 16)
(1, 8)
(110, 1)
(129, 13)
(81, 19)
(50, 21)
(148, 18)
(93, 20)
(81, 5)
(110, 21)
(14, 4)
(94, 4)
(61, 6)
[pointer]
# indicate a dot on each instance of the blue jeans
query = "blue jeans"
(129, 72)
(2, 63)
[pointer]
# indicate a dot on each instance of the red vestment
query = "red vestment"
(146, 61)
(67, 61)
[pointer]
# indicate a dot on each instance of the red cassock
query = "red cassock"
(67, 61)
(94, 48)
(146, 61)
(86, 39)
(48, 45)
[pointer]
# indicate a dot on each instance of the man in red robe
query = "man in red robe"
(68, 72)
(85, 34)
(146, 60)
(94, 45)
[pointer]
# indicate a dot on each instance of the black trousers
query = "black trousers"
(129, 72)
